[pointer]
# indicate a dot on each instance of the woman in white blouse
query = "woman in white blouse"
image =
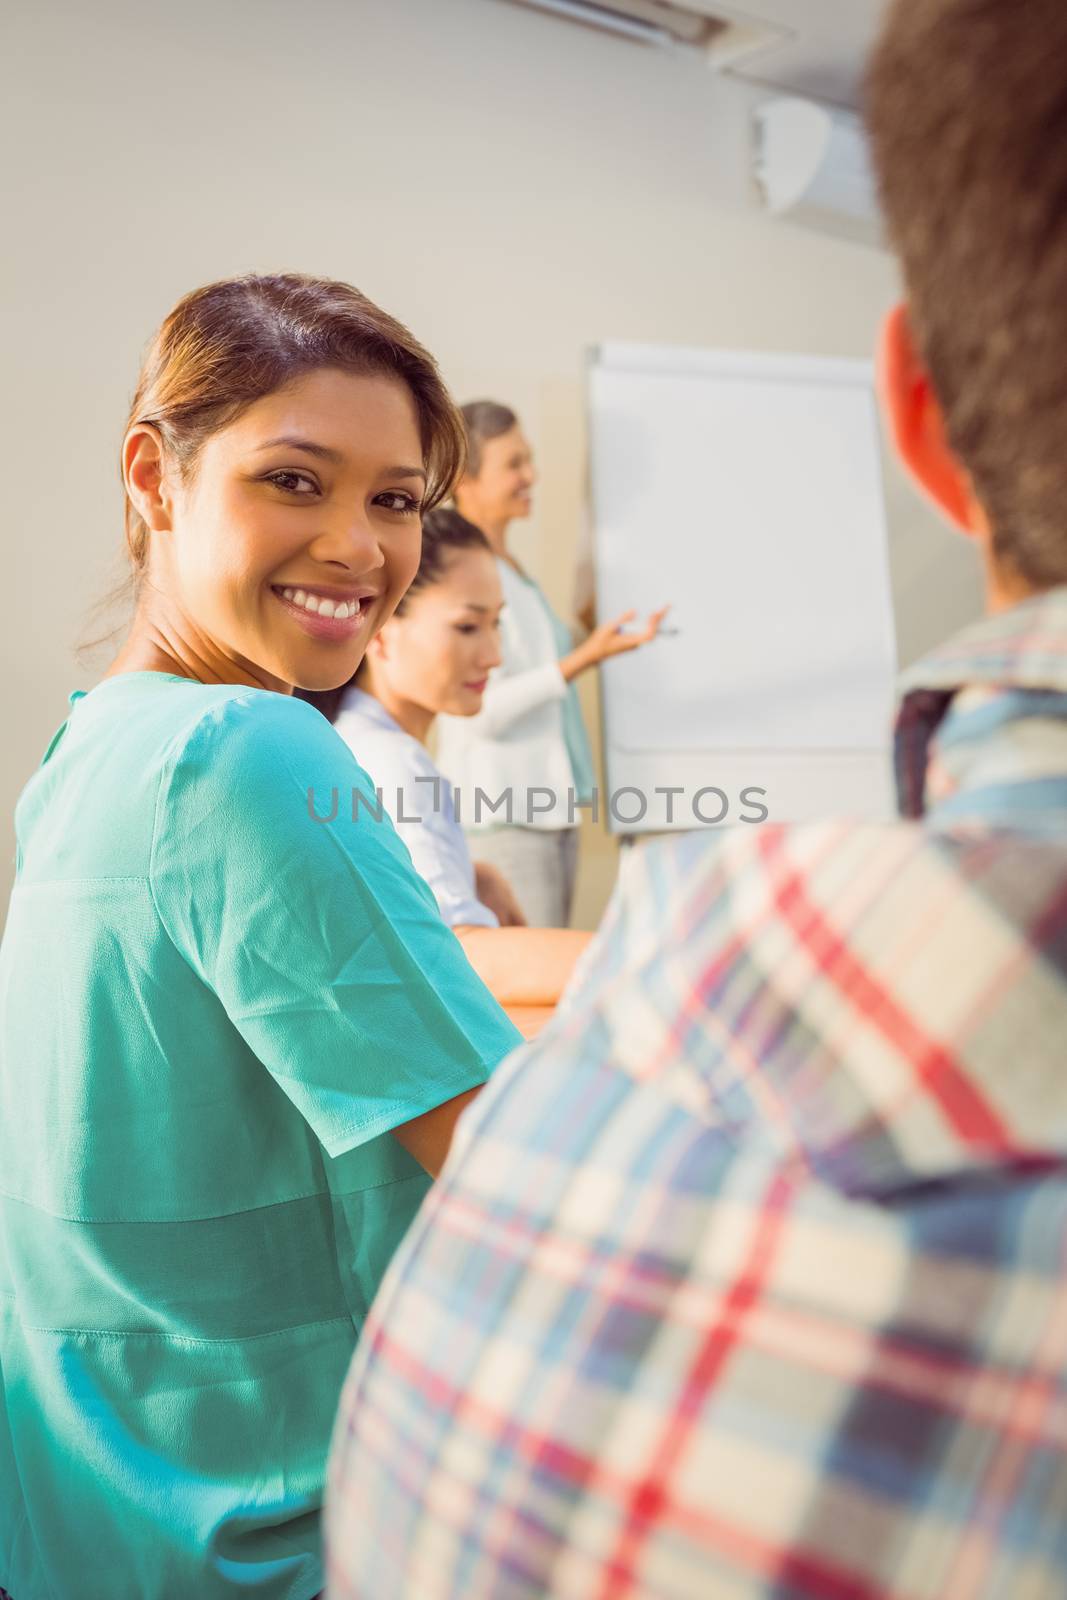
(435, 654)
(527, 745)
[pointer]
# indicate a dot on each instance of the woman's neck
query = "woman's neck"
(414, 719)
(495, 529)
(169, 643)
(497, 534)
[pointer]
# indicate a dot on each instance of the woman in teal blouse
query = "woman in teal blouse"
(236, 1034)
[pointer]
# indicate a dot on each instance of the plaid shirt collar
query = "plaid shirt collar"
(962, 704)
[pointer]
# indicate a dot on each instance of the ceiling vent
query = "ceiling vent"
(701, 26)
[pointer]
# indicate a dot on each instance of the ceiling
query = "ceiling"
(824, 50)
(815, 48)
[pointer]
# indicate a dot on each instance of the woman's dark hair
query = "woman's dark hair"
(443, 531)
(484, 420)
(229, 344)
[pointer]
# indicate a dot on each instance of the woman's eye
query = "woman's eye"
(405, 504)
(466, 627)
(289, 481)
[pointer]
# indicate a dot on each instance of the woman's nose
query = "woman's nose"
(352, 542)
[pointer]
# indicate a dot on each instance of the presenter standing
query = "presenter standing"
(527, 749)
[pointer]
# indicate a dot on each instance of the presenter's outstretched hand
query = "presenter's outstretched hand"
(609, 640)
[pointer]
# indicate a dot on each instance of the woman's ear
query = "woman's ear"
(144, 473)
(377, 645)
(917, 424)
(461, 494)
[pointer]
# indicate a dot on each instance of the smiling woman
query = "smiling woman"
(328, 514)
(293, 434)
(227, 1076)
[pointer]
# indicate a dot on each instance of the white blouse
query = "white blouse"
(517, 743)
(418, 799)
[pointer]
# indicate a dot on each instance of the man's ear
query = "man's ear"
(917, 424)
(144, 473)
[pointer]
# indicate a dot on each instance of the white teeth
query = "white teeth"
(340, 610)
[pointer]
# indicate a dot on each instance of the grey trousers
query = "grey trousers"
(541, 864)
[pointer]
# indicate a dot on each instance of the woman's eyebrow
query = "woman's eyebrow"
(291, 442)
(326, 453)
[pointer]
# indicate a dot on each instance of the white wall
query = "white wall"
(512, 187)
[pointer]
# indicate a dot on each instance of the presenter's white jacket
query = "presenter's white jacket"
(516, 744)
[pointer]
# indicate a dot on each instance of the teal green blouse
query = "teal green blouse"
(213, 1009)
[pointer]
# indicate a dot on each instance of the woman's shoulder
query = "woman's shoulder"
(522, 592)
(512, 576)
(256, 770)
(380, 744)
(238, 709)
(233, 732)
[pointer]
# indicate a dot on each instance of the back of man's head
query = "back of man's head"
(967, 108)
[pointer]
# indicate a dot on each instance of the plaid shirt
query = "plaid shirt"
(748, 1278)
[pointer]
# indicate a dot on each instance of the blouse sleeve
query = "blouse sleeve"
(298, 906)
(507, 698)
(440, 854)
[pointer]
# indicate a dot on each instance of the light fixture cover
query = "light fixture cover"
(813, 165)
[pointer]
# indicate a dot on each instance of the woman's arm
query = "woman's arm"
(357, 999)
(495, 892)
(608, 640)
(507, 698)
(527, 970)
(510, 696)
(429, 1138)
(523, 967)
(530, 1019)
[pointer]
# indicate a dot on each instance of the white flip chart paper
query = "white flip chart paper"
(746, 490)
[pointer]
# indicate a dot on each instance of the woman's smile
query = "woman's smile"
(311, 496)
(328, 612)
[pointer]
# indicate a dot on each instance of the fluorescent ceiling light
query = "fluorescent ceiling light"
(602, 17)
(723, 38)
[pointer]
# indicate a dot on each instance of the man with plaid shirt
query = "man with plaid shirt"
(749, 1277)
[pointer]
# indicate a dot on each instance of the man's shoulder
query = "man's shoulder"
(802, 950)
(692, 887)
(860, 868)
